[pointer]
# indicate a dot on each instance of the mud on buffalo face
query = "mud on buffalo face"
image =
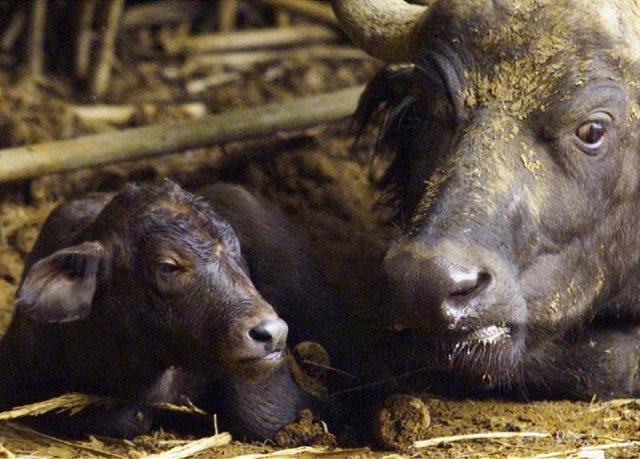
(514, 130)
(166, 274)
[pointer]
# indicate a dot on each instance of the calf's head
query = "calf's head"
(514, 130)
(162, 274)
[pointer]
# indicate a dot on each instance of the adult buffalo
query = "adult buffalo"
(513, 126)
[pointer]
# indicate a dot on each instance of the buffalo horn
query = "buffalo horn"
(382, 28)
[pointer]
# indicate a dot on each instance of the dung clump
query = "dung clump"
(307, 431)
(309, 362)
(401, 420)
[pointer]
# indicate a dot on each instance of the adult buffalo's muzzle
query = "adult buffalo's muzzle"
(450, 291)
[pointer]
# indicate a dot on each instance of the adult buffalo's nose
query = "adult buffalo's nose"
(271, 334)
(449, 281)
(431, 293)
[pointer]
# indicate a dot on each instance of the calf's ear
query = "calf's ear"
(60, 287)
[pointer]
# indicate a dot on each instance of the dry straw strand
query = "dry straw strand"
(584, 449)
(612, 404)
(189, 408)
(72, 402)
(193, 447)
(4, 452)
(477, 436)
(305, 451)
(26, 431)
(284, 452)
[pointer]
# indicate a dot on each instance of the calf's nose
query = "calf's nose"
(271, 334)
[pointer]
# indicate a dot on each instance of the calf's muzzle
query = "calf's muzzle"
(269, 336)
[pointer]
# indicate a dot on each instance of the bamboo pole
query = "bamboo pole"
(35, 42)
(283, 18)
(318, 11)
(84, 40)
(246, 59)
(159, 12)
(13, 29)
(227, 10)
(253, 39)
(149, 141)
(101, 71)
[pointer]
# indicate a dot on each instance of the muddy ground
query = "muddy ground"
(313, 176)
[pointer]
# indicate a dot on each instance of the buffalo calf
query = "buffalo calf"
(145, 296)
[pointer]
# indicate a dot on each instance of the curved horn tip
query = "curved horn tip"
(382, 28)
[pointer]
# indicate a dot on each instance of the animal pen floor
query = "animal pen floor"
(326, 191)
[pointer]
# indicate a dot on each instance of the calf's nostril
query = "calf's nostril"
(260, 333)
(272, 333)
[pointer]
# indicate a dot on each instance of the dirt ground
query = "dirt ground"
(327, 191)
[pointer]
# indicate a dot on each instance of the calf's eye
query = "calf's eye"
(591, 134)
(167, 266)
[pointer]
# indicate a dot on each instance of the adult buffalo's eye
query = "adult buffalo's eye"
(167, 266)
(591, 134)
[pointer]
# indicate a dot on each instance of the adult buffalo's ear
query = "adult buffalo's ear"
(60, 287)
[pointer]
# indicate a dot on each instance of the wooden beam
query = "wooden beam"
(227, 11)
(252, 39)
(154, 140)
(100, 73)
(35, 39)
(318, 11)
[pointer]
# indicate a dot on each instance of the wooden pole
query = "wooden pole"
(254, 39)
(33, 160)
(84, 41)
(159, 12)
(246, 59)
(101, 71)
(283, 18)
(13, 29)
(227, 10)
(318, 11)
(35, 43)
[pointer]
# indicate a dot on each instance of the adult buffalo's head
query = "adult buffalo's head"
(514, 130)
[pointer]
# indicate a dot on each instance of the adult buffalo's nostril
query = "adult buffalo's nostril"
(451, 281)
(434, 293)
(271, 333)
(464, 282)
